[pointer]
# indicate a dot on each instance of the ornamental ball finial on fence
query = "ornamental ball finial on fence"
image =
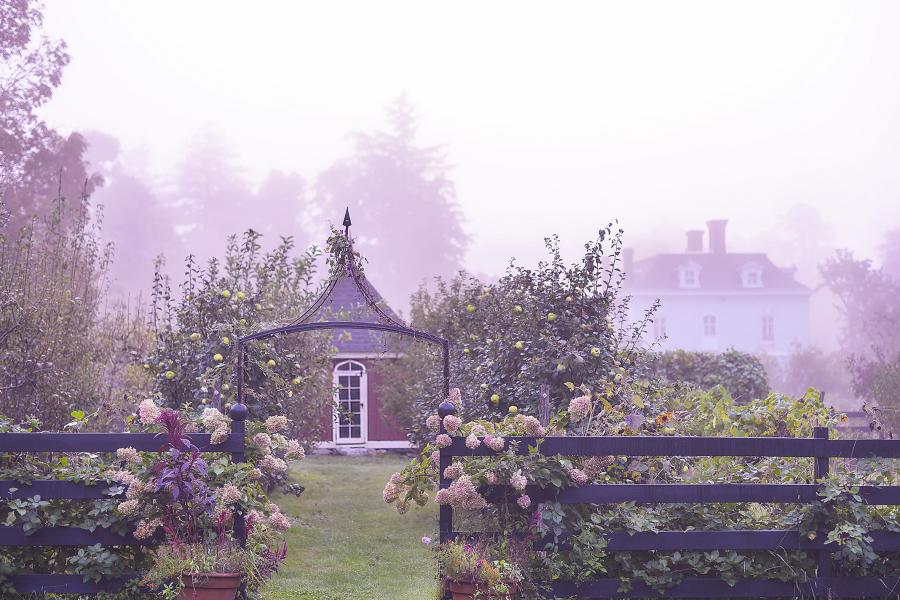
(238, 412)
(446, 408)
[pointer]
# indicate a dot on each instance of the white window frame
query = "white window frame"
(754, 270)
(691, 270)
(357, 368)
(768, 328)
(659, 327)
(710, 326)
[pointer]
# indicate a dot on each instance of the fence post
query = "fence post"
(238, 414)
(821, 469)
(446, 512)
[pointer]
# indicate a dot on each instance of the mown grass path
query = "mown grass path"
(346, 543)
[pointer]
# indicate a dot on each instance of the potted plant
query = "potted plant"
(195, 506)
(477, 570)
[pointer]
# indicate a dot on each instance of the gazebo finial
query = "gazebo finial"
(347, 222)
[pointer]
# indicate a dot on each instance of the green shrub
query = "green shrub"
(563, 325)
(743, 375)
(194, 360)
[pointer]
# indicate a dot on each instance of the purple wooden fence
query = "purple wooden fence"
(819, 448)
(62, 583)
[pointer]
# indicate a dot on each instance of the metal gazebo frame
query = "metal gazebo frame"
(384, 321)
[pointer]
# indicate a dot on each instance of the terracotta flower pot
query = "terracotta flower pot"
(466, 590)
(210, 586)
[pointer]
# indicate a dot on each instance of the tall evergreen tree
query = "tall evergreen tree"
(403, 202)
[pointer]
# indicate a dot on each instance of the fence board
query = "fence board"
(694, 446)
(108, 442)
(56, 490)
(683, 493)
(843, 587)
(67, 536)
(743, 540)
(63, 583)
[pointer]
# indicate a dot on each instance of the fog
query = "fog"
(780, 117)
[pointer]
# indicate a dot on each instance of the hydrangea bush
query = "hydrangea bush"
(497, 493)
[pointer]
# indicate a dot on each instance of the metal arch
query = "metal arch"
(386, 322)
(302, 327)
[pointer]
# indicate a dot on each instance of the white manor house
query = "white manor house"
(713, 300)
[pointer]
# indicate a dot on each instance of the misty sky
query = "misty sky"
(557, 116)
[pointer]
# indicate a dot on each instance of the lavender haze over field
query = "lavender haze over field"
(549, 118)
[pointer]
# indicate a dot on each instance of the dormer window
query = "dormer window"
(751, 276)
(689, 275)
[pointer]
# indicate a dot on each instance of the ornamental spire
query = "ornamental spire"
(347, 223)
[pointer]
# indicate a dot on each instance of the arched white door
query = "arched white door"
(351, 390)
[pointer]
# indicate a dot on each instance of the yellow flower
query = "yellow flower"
(226, 294)
(170, 374)
(226, 340)
(551, 316)
(242, 322)
(495, 398)
(513, 409)
(271, 362)
(240, 295)
(470, 308)
(595, 352)
(217, 357)
(195, 337)
(466, 351)
(296, 381)
(519, 345)
(517, 308)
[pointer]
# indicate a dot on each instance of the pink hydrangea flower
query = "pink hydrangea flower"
(230, 494)
(276, 424)
(580, 408)
(453, 471)
(146, 528)
(491, 477)
(495, 443)
(148, 412)
(294, 450)
(578, 477)
(443, 440)
(442, 496)
(472, 441)
(524, 501)
(518, 481)
(263, 440)
(433, 423)
(436, 457)
(452, 423)
(129, 455)
(219, 436)
(279, 521)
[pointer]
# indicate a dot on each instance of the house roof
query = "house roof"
(347, 302)
(717, 272)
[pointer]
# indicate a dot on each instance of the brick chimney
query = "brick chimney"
(695, 240)
(717, 235)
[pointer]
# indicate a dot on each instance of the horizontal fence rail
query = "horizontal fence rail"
(692, 446)
(63, 536)
(818, 448)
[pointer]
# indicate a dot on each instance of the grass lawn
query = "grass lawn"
(346, 543)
